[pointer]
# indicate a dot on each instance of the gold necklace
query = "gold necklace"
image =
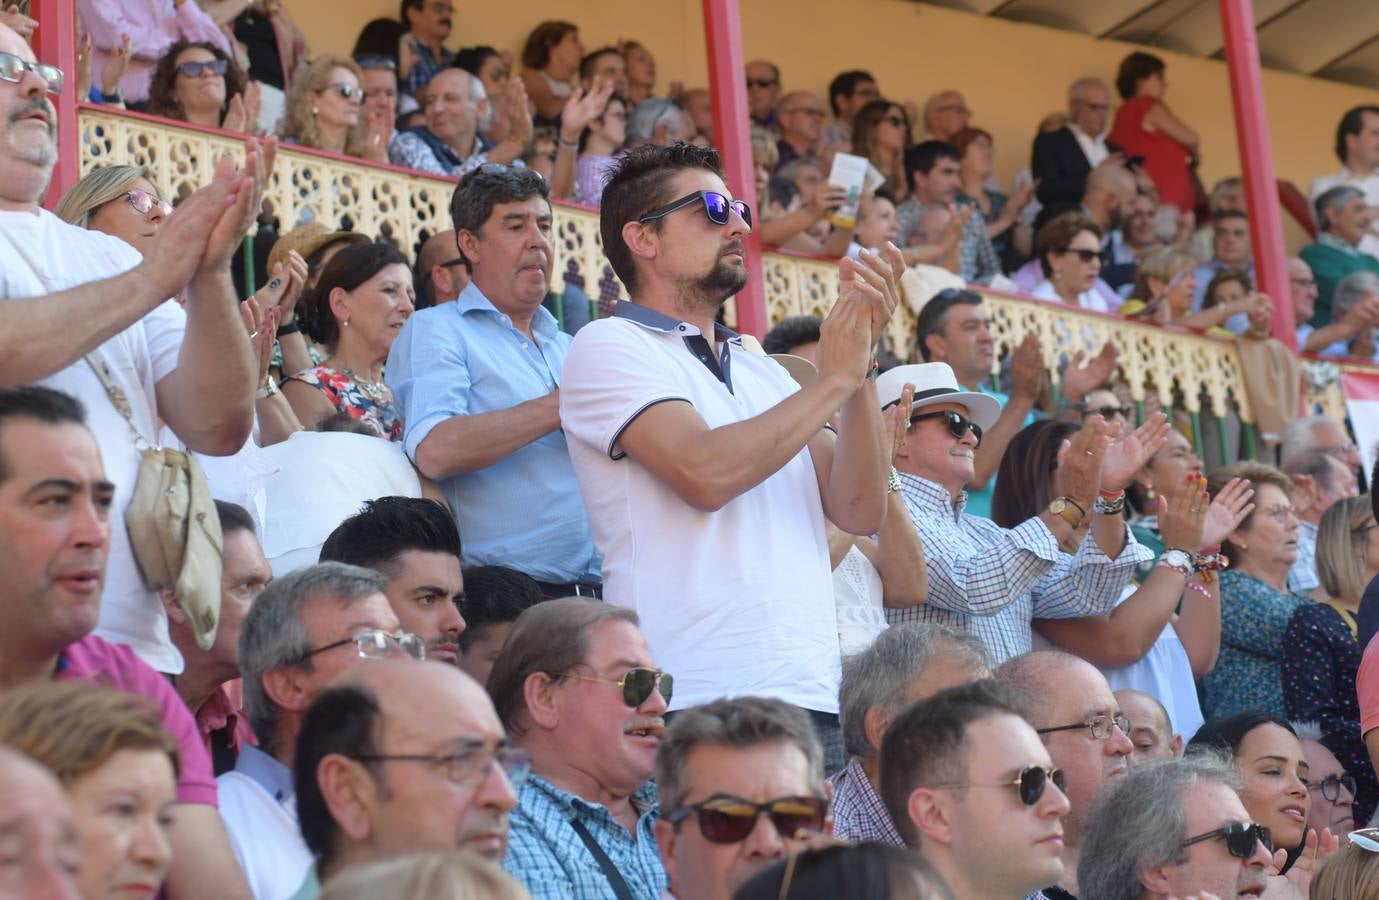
(375, 390)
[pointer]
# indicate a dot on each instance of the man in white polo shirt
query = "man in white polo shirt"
(706, 472)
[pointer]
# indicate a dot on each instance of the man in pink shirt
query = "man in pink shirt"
(54, 535)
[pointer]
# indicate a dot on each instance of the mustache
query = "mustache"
(733, 247)
(37, 104)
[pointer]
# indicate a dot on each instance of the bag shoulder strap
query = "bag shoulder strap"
(117, 399)
(615, 880)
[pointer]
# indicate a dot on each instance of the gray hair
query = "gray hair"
(1300, 437)
(273, 634)
(877, 676)
(1309, 730)
(1078, 88)
(1353, 289)
(1031, 677)
(1332, 200)
(1138, 823)
(739, 723)
(641, 126)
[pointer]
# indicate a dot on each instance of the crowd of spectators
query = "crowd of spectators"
(510, 603)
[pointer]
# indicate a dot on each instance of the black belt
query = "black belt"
(555, 591)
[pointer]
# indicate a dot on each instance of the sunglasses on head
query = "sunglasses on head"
(1030, 783)
(374, 61)
(144, 202)
(958, 424)
(196, 69)
(1240, 838)
(1084, 255)
(726, 819)
(716, 206)
(12, 68)
(637, 684)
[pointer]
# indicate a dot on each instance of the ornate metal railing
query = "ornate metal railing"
(1198, 374)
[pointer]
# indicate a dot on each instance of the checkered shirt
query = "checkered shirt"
(858, 813)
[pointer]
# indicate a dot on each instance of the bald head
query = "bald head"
(37, 828)
(1113, 180)
(452, 109)
(1151, 731)
(436, 281)
(403, 685)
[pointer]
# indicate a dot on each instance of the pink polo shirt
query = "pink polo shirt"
(1367, 688)
(115, 665)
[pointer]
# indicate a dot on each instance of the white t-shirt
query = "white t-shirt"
(41, 254)
(733, 602)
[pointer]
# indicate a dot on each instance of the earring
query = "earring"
(1151, 494)
(346, 323)
(315, 111)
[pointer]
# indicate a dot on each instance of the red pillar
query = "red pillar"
(732, 132)
(55, 43)
(1257, 163)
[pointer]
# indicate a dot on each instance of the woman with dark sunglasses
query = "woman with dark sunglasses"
(1143, 643)
(200, 84)
(1069, 251)
(880, 133)
(323, 108)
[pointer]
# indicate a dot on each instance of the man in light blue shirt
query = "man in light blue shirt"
(478, 382)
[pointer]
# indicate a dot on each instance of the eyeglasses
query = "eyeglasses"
(1099, 726)
(637, 684)
(1365, 839)
(812, 113)
(726, 819)
(1304, 282)
(195, 69)
(374, 644)
(1030, 782)
(12, 68)
(1281, 513)
(762, 82)
(716, 206)
(1331, 785)
(1340, 450)
(344, 90)
(1084, 255)
(958, 424)
(897, 121)
(374, 61)
(1107, 412)
(144, 202)
(468, 767)
(1240, 838)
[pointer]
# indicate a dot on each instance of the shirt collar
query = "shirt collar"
(932, 494)
(644, 800)
(1094, 138)
(266, 772)
(472, 299)
(1327, 239)
(647, 317)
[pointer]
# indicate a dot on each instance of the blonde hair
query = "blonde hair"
(1256, 473)
(1351, 873)
(73, 728)
(299, 122)
(426, 876)
(1161, 264)
(96, 188)
(1341, 547)
(764, 149)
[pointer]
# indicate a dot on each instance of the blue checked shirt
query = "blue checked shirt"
(425, 153)
(425, 68)
(978, 261)
(859, 815)
(524, 511)
(993, 581)
(549, 858)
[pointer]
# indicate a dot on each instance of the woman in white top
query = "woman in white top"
(1069, 250)
(550, 68)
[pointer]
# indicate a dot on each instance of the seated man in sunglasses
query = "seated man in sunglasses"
(972, 789)
(403, 757)
(721, 767)
(1177, 828)
(1088, 737)
(576, 687)
(993, 581)
(707, 471)
(302, 631)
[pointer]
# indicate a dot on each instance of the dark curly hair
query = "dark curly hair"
(347, 269)
(162, 92)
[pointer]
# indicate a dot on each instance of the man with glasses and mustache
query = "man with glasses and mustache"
(706, 470)
(741, 785)
(302, 631)
(1177, 828)
(402, 757)
(993, 581)
(412, 542)
(577, 688)
(972, 789)
(1079, 720)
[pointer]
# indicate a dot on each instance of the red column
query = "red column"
(1257, 163)
(55, 43)
(732, 132)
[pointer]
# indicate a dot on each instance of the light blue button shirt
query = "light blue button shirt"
(524, 511)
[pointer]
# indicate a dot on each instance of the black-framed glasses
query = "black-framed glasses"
(897, 121)
(372, 643)
(717, 207)
(197, 68)
(1331, 785)
(376, 61)
(637, 684)
(1084, 255)
(1099, 726)
(1240, 838)
(1107, 412)
(144, 202)
(762, 82)
(728, 819)
(469, 766)
(348, 91)
(1029, 783)
(958, 424)
(12, 68)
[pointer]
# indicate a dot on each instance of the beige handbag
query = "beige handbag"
(173, 526)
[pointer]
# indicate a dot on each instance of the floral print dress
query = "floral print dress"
(371, 404)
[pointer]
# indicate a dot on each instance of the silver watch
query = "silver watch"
(268, 390)
(1178, 559)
